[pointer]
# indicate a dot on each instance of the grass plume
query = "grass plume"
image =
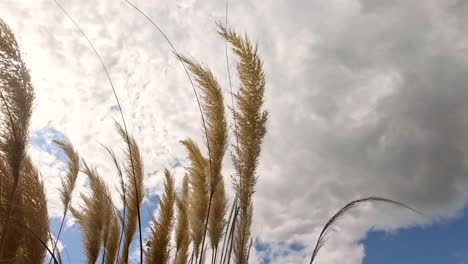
(91, 215)
(68, 182)
(212, 103)
(16, 95)
(250, 121)
(22, 198)
(342, 212)
(127, 139)
(133, 191)
(199, 197)
(162, 227)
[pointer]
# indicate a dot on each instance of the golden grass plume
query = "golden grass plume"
(250, 119)
(133, 190)
(162, 226)
(22, 196)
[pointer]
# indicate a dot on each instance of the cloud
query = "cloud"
(365, 98)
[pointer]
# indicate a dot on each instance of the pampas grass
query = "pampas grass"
(199, 197)
(23, 210)
(133, 190)
(187, 217)
(91, 215)
(68, 183)
(162, 227)
(250, 121)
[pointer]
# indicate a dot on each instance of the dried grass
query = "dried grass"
(198, 211)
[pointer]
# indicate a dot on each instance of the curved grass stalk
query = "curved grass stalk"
(342, 212)
(123, 121)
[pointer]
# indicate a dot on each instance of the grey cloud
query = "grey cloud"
(365, 98)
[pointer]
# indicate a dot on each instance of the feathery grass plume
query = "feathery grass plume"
(73, 167)
(14, 234)
(199, 198)
(250, 122)
(182, 235)
(22, 198)
(34, 215)
(133, 166)
(133, 190)
(68, 183)
(342, 212)
(122, 196)
(213, 109)
(212, 103)
(161, 228)
(16, 97)
(92, 214)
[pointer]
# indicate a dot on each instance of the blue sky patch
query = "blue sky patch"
(443, 242)
(43, 139)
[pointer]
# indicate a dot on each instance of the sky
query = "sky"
(365, 98)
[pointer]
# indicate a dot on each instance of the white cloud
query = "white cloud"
(365, 98)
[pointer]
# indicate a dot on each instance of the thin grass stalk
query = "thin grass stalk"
(212, 256)
(198, 102)
(191, 258)
(42, 242)
(250, 247)
(205, 229)
(122, 194)
(342, 212)
(174, 50)
(199, 105)
(134, 171)
(233, 106)
(121, 114)
(227, 228)
(57, 239)
(231, 236)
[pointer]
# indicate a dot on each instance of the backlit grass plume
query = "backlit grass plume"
(107, 232)
(328, 227)
(199, 195)
(97, 219)
(73, 168)
(133, 191)
(33, 209)
(182, 230)
(250, 121)
(68, 182)
(91, 216)
(23, 210)
(162, 226)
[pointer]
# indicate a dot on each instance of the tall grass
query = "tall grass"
(187, 220)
